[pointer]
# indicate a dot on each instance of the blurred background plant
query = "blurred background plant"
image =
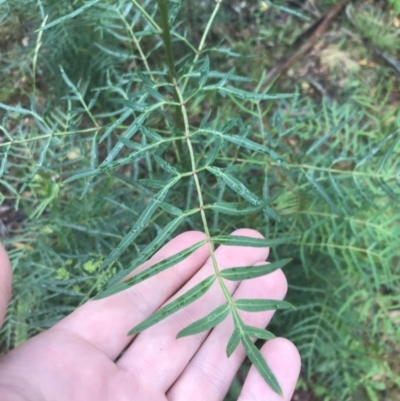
(71, 91)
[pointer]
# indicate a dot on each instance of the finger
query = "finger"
(106, 322)
(210, 373)
(156, 357)
(5, 282)
(284, 360)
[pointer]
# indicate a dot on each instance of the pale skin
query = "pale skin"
(75, 359)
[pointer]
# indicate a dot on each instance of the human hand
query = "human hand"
(75, 360)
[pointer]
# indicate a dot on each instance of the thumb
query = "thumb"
(5, 282)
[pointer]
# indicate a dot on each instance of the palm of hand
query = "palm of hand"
(75, 360)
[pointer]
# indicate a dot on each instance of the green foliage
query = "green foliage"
(118, 151)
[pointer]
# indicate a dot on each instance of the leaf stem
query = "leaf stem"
(163, 6)
(199, 193)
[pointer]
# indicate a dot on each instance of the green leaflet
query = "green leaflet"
(150, 134)
(322, 192)
(165, 165)
(133, 128)
(260, 364)
(256, 332)
(245, 95)
(119, 162)
(287, 10)
(333, 131)
(150, 249)
(389, 152)
(214, 151)
(116, 124)
(154, 93)
(237, 240)
(248, 144)
(171, 209)
(38, 165)
(173, 10)
(206, 323)
(190, 296)
(138, 227)
(152, 183)
(151, 271)
(260, 305)
(248, 272)
(69, 16)
(130, 144)
(204, 70)
(339, 192)
(233, 342)
(204, 120)
(376, 149)
(232, 209)
(235, 185)
(3, 167)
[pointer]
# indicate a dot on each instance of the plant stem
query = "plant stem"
(200, 195)
(163, 6)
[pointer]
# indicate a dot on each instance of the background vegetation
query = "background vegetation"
(332, 169)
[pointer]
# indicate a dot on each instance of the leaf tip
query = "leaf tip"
(133, 331)
(180, 334)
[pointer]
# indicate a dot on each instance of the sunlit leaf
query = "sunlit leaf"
(259, 305)
(206, 323)
(249, 272)
(190, 296)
